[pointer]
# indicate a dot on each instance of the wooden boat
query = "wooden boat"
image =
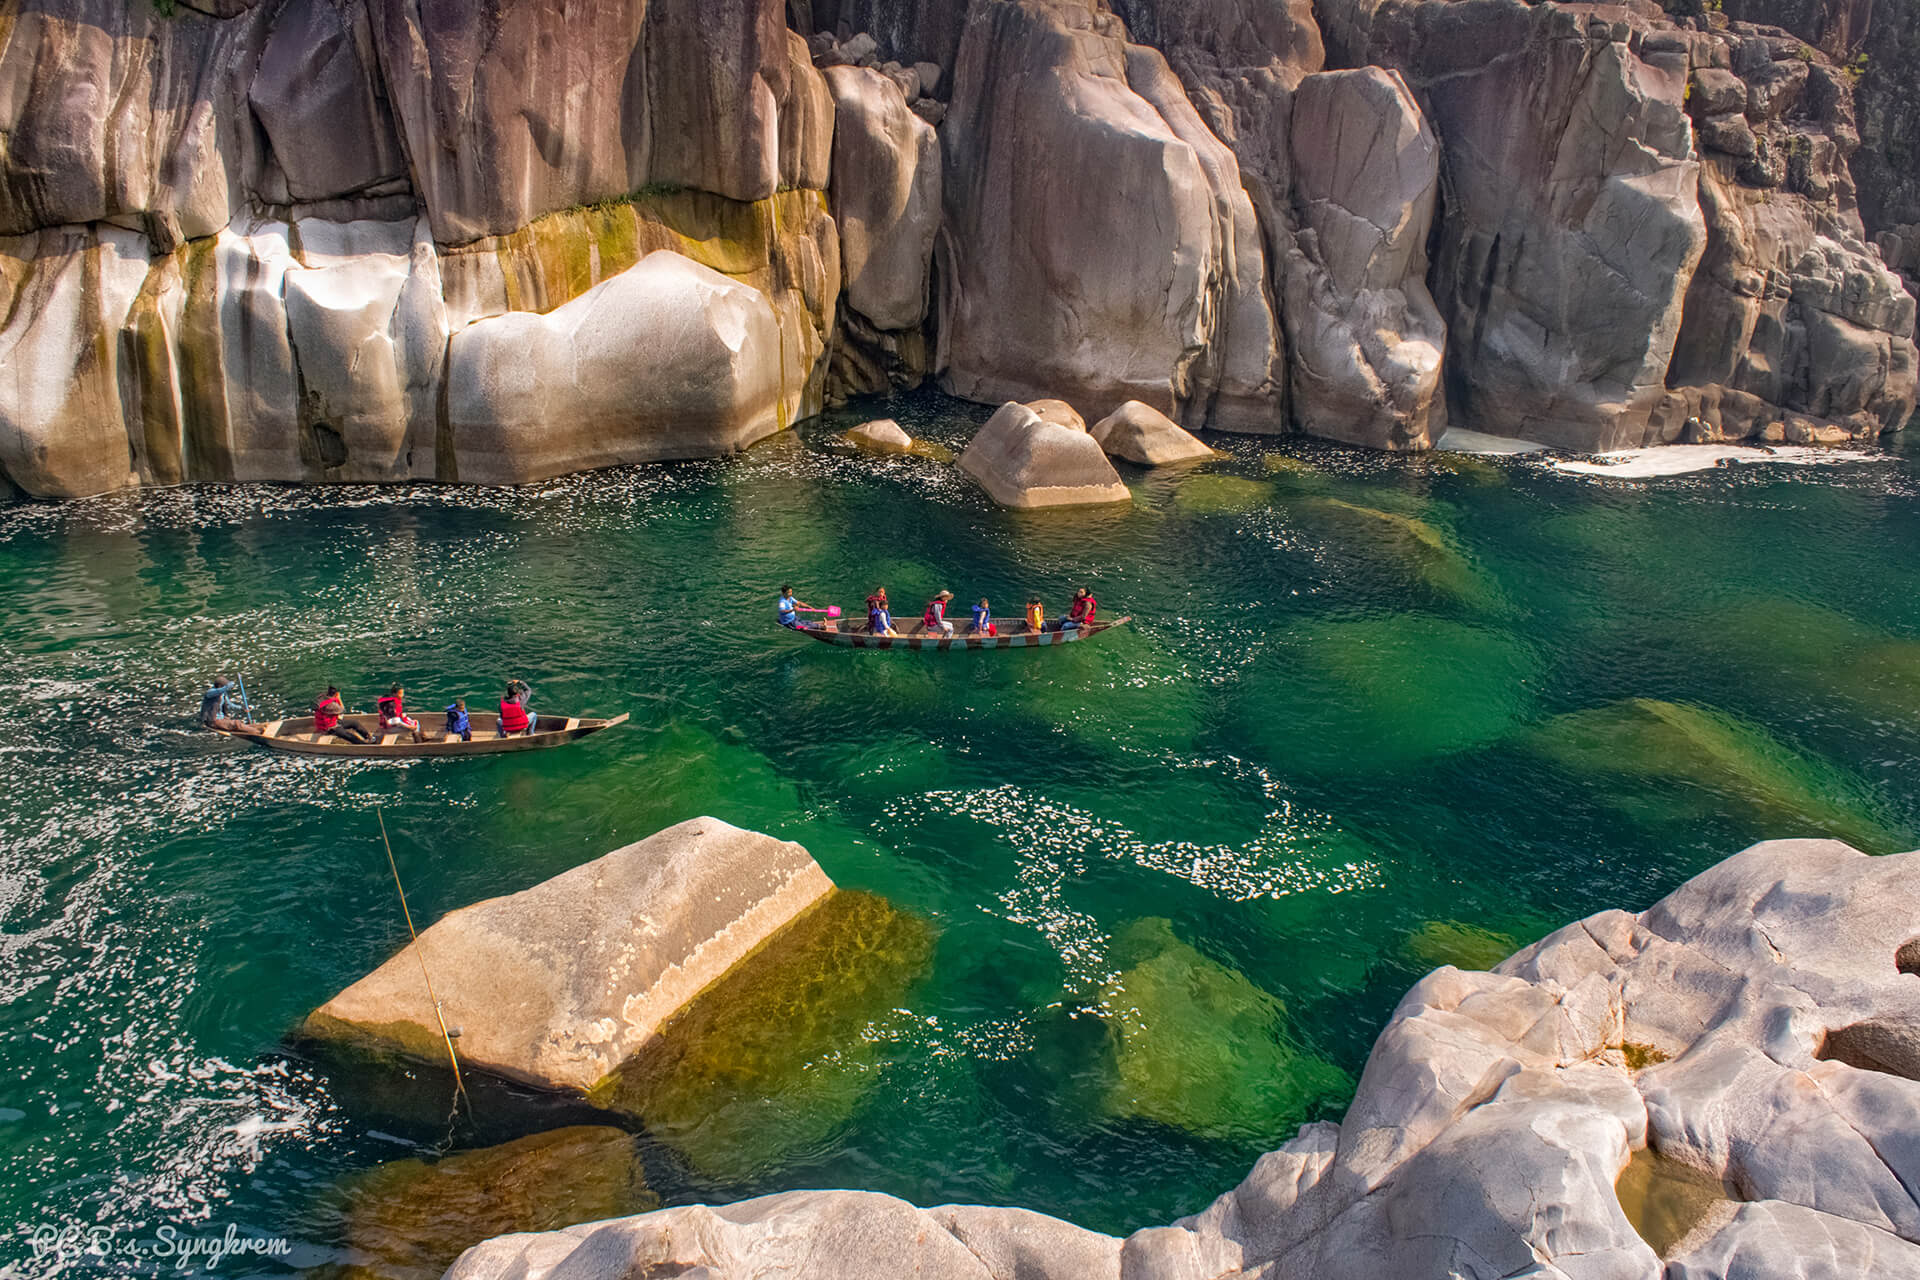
(297, 735)
(854, 634)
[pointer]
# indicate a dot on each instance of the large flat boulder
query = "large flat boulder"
(1023, 460)
(556, 985)
(668, 359)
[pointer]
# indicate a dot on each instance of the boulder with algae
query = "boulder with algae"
(1722, 759)
(409, 1219)
(774, 1057)
(1199, 1047)
(1756, 1026)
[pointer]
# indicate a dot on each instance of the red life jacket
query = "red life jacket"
(513, 716)
(936, 613)
(391, 710)
(1082, 611)
(1092, 605)
(326, 714)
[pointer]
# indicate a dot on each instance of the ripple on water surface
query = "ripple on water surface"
(1376, 714)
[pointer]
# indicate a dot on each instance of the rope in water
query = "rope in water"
(459, 1086)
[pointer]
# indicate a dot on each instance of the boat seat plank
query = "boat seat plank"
(573, 722)
(389, 739)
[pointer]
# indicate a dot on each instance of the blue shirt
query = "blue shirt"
(786, 613)
(981, 618)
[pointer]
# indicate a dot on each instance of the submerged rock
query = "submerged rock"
(409, 1220)
(1215, 495)
(1407, 540)
(1199, 1047)
(775, 1057)
(1379, 696)
(1141, 433)
(556, 985)
(1023, 460)
(1465, 946)
(1733, 761)
(1497, 1112)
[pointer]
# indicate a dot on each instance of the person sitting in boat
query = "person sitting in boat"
(934, 620)
(459, 724)
(217, 707)
(1080, 614)
(394, 717)
(786, 610)
(326, 719)
(515, 717)
(879, 617)
(1036, 616)
(983, 619)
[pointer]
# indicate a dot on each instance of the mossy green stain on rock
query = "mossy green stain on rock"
(408, 1220)
(1785, 792)
(1199, 1047)
(774, 1057)
(206, 450)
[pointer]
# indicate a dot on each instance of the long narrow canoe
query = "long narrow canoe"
(297, 735)
(855, 635)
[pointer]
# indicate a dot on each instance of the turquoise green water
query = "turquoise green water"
(1376, 715)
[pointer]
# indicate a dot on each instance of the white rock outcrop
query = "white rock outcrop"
(1760, 1025)
(885, 197)
(668, 359)
(557, 985)
(1025, 460)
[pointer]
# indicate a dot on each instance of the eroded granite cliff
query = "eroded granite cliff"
(363, 240)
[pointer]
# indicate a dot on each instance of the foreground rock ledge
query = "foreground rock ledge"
(557, 985)
(1760, 1024)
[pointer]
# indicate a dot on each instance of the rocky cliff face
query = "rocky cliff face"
(1723, 1086)
(275, 240)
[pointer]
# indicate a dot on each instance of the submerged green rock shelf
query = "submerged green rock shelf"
(1147, 900)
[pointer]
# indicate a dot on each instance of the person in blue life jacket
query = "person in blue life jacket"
(786, 610)
(983, 619)
(459, 724)
(879, 616)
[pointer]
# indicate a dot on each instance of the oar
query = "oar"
(832, 611)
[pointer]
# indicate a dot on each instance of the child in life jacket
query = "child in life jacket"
(983, 619)
(935, 618)
(394, 717)
(1036, 616)
(459, 724)
(879, 617)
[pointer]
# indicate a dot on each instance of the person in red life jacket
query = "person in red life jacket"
(394, 717)
(879, 616)
(1080, 614)
(515, 718)
(326, 719)
(934, 620)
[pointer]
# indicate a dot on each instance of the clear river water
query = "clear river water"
(1375, 715)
